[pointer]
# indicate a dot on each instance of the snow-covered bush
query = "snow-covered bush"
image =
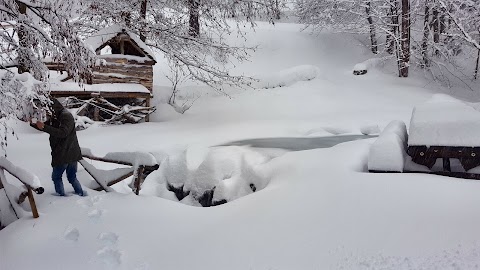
(221, 175)
(388, 152)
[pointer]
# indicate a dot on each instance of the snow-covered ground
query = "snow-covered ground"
(314, 209)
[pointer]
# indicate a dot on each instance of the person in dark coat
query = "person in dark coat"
(65, 148)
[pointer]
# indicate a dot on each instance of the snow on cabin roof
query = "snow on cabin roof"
(445, 121)
(106, 34)
(99, 88)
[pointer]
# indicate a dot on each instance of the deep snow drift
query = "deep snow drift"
(314, 209)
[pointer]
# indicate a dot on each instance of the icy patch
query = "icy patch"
(287, 77)
(72, 234)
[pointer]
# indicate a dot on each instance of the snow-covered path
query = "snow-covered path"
(320, 209)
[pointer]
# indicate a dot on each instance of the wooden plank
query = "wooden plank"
(138, 180)
(32, 203)
(107, 160)
(125, 61)
(88, 94)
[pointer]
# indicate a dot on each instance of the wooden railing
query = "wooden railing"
(137, 170)
(28, 193)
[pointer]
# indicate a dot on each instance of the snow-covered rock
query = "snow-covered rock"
(388, 152)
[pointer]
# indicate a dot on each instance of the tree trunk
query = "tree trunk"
(476, 66)
(392, 37)
(426, 32)
(127, 18)
(405, 39)
(277, 10)
(143, 15)
(23, 52)
(373, 37)
(435, 26)
(194, 21)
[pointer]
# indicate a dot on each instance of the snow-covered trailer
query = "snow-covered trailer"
(123, 70)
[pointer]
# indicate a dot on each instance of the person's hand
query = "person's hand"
(40, 125)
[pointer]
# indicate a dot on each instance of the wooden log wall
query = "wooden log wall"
(130, 71)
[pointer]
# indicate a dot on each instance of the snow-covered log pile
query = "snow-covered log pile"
(388, 152)
(141, 164)
(445, 121)
(12, 196)
(208, 177)
(100, 109)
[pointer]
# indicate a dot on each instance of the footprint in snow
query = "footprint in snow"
(95, 214)
(71, 234)
(108, 238)
(110, 257)
(89, 201)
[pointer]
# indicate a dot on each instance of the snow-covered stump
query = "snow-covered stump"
(360, 69)
(10, 209)
(141, 164)
(388, 152)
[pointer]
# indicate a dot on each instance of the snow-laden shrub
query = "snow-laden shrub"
(388, 152)
(220, 175)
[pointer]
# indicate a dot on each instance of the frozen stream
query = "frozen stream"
(299, 144)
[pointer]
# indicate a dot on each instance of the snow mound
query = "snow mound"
(287, 77)
(388, 152)
(445, 121)
(205, 177)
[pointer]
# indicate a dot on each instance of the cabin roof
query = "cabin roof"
(105, 36)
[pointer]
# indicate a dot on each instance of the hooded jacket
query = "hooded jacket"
(63, 137)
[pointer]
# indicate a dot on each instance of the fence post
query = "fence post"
(32, 203)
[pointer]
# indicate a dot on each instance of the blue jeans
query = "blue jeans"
(71, 169)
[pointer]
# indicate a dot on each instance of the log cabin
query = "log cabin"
(123, 70)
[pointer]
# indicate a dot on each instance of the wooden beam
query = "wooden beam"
(32, 203)
(138, 180)
(88, 94)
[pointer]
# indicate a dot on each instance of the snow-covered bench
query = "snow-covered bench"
(140, 164)
(10, 209)
(388, 152)
(445, 128)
